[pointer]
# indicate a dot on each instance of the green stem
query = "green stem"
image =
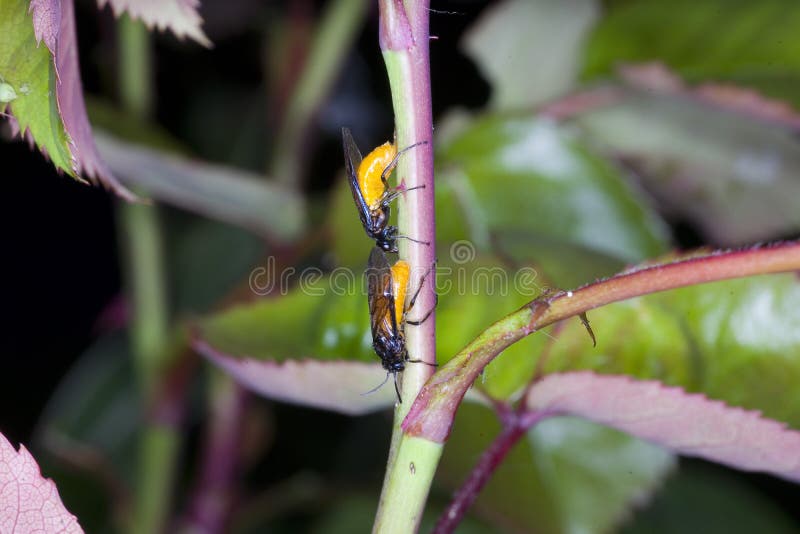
(407, 484)
(332, 40)
(157, 454)
(141, 232)
(412, 462)
(135, 67)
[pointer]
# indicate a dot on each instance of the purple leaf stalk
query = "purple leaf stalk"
(431, 416)
(515, 424)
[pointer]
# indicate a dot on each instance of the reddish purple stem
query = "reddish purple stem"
(515, 425)
(210, 504)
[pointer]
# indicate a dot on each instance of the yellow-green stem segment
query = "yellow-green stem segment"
(407, 486)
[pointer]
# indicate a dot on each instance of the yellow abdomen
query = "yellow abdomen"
(400, 273)
(370, 170)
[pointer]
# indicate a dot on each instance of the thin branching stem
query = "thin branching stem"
(515, 425)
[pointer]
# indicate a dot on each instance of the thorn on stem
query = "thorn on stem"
(585, 321)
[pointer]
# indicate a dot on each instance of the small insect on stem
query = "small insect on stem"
(369, 183)
(387, 289)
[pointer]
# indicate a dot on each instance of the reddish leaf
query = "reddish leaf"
(658, 78)
(13, 130)
(749, 102)
(46, 21)
(179, 16)
(652, 76)
(29, 503)
(86, 159)
(690, 424)
(331, 385)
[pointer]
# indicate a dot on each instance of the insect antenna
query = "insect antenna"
(379, 386)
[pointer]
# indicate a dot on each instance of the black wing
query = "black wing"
(380, 291)
(352, 159)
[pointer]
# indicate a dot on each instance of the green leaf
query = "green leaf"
(569, 475)
(729, 173)
(28, 68)
(311, 321)
(328, 320)
(712, 38)
(735, 341)
(754, 43)
(521, 176)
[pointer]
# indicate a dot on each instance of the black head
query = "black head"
(392, 351)
(394, 366)
(387, 240)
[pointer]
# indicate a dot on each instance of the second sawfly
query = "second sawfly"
(387, 291)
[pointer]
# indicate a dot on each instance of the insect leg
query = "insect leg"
(426, 363)
(389, 168)
(412, 239)
(396, 192)
(411, 302)
(397, 389)
(425, 317)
